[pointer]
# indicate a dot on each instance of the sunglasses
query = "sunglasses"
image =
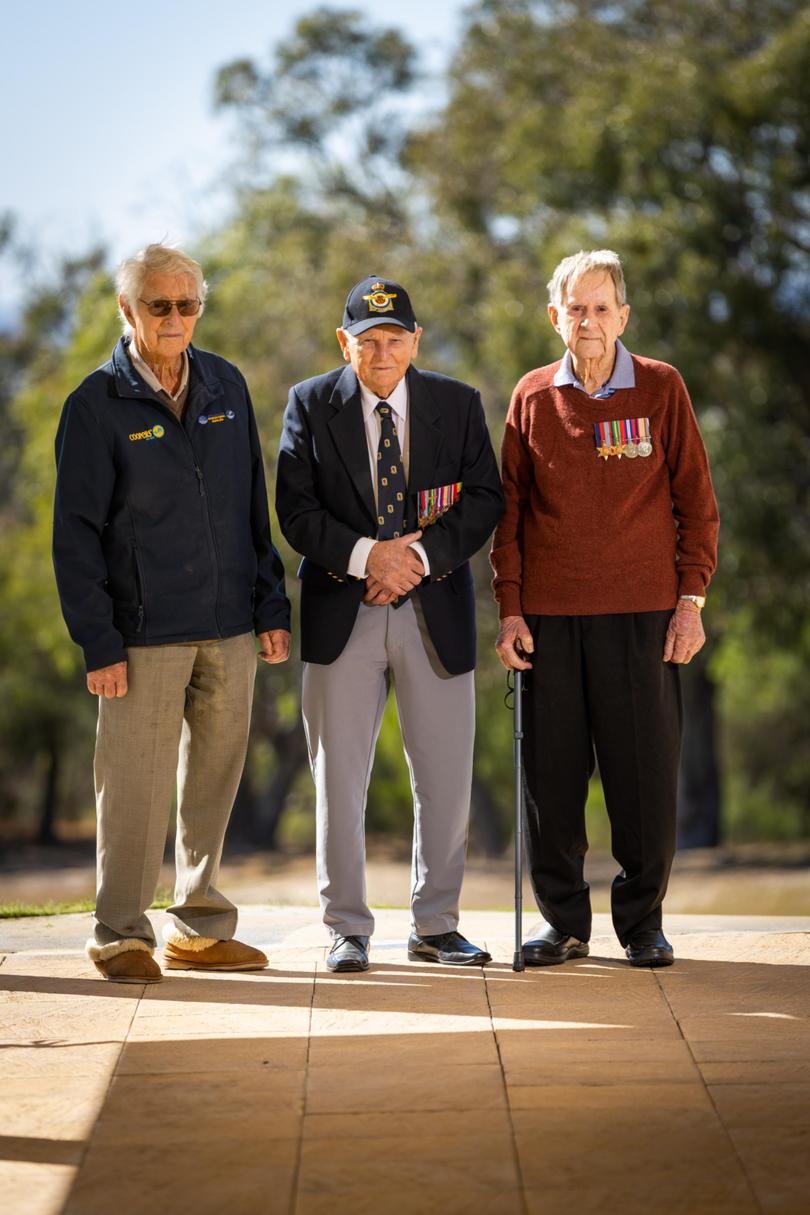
(164, 307)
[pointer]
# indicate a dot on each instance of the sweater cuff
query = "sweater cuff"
(691, 582)
(508, 597)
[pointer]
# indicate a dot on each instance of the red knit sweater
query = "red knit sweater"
(581, 535)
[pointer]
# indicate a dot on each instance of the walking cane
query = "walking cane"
(518, 963)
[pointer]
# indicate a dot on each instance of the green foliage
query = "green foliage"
(46, 714)
(325, 97)
(677, 133)
(765, 707)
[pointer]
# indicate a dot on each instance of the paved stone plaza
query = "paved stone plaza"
(578, 1089)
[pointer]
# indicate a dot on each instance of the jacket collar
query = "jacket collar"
(348, 431)
(424, 420)
(203, 387)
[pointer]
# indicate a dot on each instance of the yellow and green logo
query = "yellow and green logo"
(154, 432)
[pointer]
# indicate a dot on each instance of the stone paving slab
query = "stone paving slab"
(293, 927)
(410, 1088)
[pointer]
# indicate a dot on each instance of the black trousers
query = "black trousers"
(598, 684)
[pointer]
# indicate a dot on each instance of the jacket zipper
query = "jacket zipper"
(141, 590)
(212, 534)
(214, 545)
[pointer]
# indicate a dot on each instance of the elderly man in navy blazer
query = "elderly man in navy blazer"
(387, 485)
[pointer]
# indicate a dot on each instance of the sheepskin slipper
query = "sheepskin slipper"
(129, 966)
(222, 955)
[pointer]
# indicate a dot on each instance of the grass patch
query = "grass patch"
(18, 911)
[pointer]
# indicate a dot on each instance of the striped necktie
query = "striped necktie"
(391, 486)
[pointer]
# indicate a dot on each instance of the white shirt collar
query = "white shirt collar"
(398, 400)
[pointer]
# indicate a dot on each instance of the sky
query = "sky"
(108, 131)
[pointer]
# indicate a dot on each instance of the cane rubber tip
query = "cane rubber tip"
(518, 964)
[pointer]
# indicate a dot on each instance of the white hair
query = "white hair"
(155, 259)
(571, 269)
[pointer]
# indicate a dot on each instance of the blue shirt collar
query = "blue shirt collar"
(622, 376)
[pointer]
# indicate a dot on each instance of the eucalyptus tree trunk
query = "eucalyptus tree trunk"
(699, 801)
(258, 809)
(49, 798)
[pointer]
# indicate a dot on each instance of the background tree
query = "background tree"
(46, 715)
(676, 133)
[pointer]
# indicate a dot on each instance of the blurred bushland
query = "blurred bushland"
(675, 131)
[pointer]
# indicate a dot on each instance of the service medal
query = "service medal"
(431, 504)
(623, 437)
(630, 430)
(644, 446)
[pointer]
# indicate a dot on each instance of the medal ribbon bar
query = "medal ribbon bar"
(623, 437)
(432, 503)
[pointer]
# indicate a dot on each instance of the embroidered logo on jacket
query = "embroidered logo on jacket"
(205, 418)
(154, 432)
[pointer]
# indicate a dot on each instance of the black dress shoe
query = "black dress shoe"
(551, 947)
(450, 948)
(649, 949)
(348, 953)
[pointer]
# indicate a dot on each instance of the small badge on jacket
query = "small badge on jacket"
(623, 437)
(431, 503)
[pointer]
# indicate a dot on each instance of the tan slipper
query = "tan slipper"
(221, 955)
(132, 966)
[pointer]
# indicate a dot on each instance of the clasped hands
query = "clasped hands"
(393, 568)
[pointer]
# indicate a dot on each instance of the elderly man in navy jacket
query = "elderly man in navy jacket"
(165, 568)
(387, 484)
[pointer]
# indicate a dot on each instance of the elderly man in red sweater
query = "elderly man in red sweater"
(601, 560)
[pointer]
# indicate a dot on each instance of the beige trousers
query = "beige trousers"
(185, 719)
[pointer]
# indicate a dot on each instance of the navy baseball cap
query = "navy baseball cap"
(378, 301)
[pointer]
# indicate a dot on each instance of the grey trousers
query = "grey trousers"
(343, 705)
(185, 719)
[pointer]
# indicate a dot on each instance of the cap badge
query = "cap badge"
(380, 300)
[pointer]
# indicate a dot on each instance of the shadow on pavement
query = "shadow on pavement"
(413, 1088)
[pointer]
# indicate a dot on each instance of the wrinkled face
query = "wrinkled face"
(162, 339)
(590, 319)
(380, 356)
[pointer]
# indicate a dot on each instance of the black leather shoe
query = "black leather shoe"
(348, 953)
(551, 947)
(450, 948)
(649, 949)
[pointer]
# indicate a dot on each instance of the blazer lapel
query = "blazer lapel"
(424, 420)
(349, 435)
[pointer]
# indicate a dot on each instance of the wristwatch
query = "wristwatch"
(698, 600)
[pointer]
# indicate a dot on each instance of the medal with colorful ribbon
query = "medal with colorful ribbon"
(431, 503)
(645, 439)
(623, 437)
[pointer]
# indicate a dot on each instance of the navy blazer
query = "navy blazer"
(325, 504)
